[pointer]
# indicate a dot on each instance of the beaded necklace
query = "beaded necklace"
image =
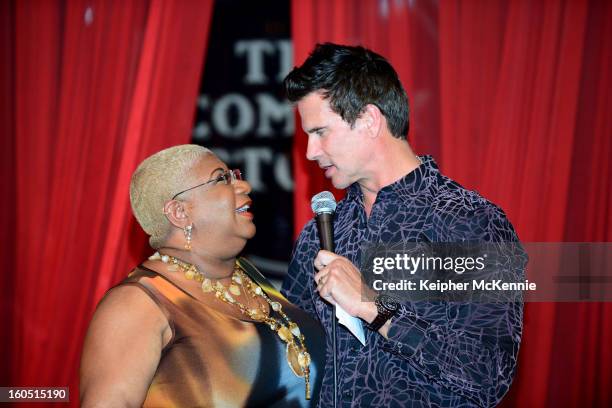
(288, 331)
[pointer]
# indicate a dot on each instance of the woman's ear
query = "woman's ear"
(176, 213)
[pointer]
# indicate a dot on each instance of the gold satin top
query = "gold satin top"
(217, 360)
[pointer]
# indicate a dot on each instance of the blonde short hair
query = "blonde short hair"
(156, 180)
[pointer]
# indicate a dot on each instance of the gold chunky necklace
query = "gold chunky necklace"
(287, 330)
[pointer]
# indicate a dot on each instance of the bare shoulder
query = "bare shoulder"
(125, 314)
(127, 303)
(122, 348)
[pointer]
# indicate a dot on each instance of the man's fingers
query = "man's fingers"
(323, 284)
(325, 291)
(320, 275)
(325, 257)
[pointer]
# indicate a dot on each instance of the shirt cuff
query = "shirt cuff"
(406, 332)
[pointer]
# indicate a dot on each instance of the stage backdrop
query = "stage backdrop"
(513, 100)
(87, 90)
(245, 119)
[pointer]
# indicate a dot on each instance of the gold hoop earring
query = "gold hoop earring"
(187, 232)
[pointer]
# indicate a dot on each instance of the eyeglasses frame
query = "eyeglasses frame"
(234, 174)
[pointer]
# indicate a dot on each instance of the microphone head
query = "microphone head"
(323, 203)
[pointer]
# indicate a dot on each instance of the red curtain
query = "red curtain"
(89, 88)
(513, 100)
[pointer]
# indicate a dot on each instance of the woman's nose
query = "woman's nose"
(242, 187)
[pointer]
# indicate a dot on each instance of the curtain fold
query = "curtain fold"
(513, 100)
(93, 88)
(7, 174)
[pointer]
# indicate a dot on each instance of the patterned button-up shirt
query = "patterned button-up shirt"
(441, 354)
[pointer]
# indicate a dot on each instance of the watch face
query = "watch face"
(388, 303)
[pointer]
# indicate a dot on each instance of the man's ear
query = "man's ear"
(176, 213)
(372, 119)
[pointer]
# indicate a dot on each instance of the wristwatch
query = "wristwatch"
(387, 308)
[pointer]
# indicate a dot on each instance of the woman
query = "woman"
(193, 325)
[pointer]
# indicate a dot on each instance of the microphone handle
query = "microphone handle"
(325, 227)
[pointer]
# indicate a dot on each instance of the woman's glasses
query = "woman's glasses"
(227, 177)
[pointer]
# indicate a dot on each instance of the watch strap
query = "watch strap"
(384, 314)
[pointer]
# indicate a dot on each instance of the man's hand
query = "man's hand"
(339, 281)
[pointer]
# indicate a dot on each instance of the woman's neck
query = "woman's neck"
(213, 267)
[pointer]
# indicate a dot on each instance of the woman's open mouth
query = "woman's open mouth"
(244, 210)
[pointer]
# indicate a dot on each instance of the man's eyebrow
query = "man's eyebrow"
(315, 129)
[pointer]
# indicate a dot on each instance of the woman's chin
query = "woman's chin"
(245, 234)
(250, 234)
(246, 226)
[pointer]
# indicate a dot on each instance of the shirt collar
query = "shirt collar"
(406, 188)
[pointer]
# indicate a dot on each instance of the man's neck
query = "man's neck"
(392, 163)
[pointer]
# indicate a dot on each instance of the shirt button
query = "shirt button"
(348, 395)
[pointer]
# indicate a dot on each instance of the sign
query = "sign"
(244, 118)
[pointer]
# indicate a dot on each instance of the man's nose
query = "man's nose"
(313, 150)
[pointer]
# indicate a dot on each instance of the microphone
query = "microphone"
(323, 206)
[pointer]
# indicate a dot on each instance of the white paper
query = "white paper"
(352, 323)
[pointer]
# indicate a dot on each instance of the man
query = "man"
(444, 354)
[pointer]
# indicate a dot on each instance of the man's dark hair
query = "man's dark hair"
(351, 78)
